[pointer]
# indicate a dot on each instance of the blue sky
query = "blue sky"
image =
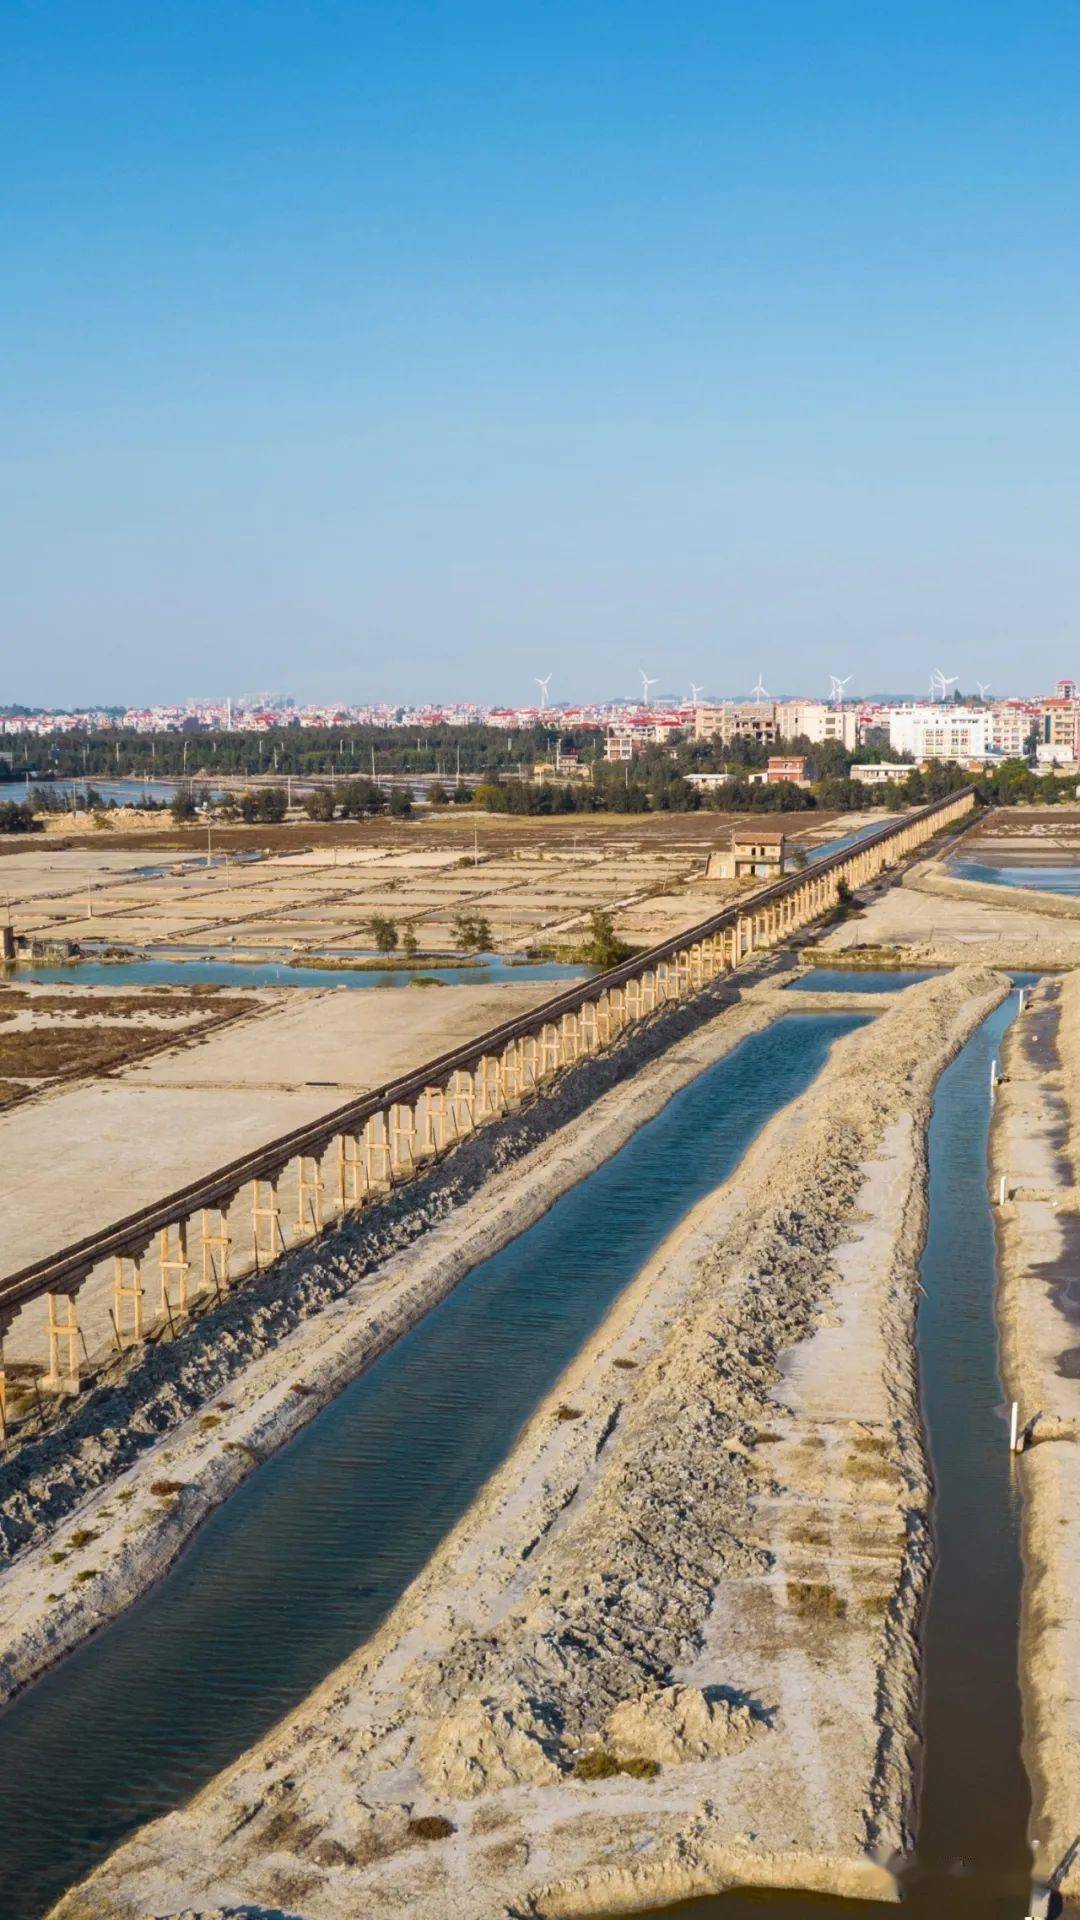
(383, 350)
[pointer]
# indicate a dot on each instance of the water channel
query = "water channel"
(310, 1554)
(972, 1857)
(155, 972)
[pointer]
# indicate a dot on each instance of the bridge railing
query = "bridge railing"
(199, 1241)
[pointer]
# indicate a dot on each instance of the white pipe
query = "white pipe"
(1001, 1191)
(1014, 1422)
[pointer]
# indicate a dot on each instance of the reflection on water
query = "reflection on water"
(1045, 879)
(310, 1554)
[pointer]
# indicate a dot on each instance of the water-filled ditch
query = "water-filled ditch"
(971, 1849)
(306, 1559)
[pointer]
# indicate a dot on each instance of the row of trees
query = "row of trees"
(472, 934)
(268, 806)
(345, 751)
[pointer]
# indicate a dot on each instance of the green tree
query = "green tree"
(472, 933)
(183, 808)
(410, 945)
(383, 932)
(603, 948)
(319, 805)
(400, 804)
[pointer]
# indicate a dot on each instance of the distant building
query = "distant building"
(1060, 729)
(793, 767)
(1012, 725)
(879, 773)
(940, 732)
(622, 741)
(738, 720)
(816, 721)
(756, 852)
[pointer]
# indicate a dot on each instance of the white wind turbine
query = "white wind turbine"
(646, 683)
(695, 692)
(543, 686)
(836, 687)
(984, 688)
(945, 681)
(759, 691)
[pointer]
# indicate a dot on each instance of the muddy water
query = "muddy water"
(972, 1858)
(309, 1556)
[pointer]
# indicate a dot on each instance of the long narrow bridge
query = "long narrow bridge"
(204, 1238)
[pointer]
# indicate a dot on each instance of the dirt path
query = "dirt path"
(672, 1644)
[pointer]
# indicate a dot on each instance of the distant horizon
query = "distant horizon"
(669, 698)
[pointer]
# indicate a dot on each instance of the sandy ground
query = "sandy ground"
(1036, 1148)
(315, 891)
(935, 919)
(672, 1645)
(84, 1155)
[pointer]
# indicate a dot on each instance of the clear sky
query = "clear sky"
(375, 350)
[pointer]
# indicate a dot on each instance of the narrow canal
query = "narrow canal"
(309, 1556)
(972, 1857)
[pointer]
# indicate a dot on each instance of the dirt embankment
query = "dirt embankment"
(1036, 1149)
(672, 1645)
(82, 1532)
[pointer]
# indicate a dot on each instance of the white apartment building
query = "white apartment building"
(940, 733)
(818, 722)
(1011, 726)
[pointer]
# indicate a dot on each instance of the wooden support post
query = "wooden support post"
(63, 1379)
(401, 1136)
(128, 1293)
(309, 1192)
(351, 1183)
(377, 1154)
(215, 1251)
(266, 1214)
(462, 1103)
(170, 1264)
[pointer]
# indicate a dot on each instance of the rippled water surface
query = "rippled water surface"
(306, 1559)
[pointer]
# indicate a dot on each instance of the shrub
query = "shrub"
(431, 1826)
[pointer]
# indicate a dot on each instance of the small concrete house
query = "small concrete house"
(756, 852)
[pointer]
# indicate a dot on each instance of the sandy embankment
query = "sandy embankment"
(82, 1531)
(1036, 1147)
(672, 1644)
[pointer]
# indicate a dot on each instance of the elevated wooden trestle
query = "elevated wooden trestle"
(204, 1238)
